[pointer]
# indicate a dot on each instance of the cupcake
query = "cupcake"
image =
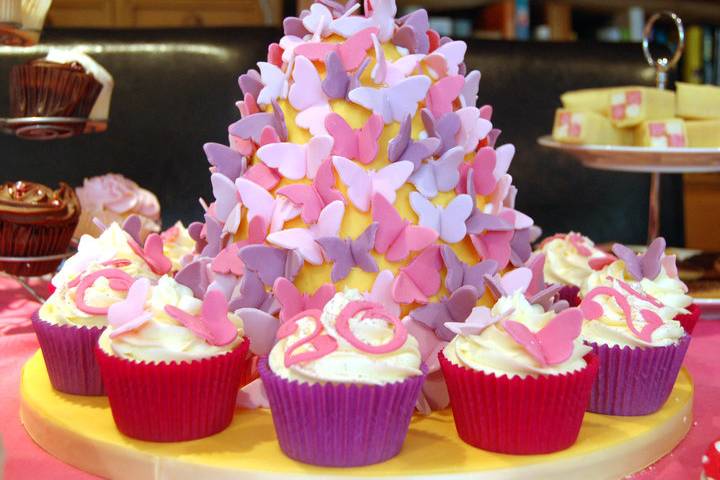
(569, 259)
(114, 198)
(632, 308)
(35, 220)
(354, 372)
(46, 88)
(69, 323)
(178, 245)
(171, 363)
(519, 376)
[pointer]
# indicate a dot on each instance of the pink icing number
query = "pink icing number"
(592, 311)
(116, 263)
(322, 344)
(119, 281)
(642, 296)
(370, 310)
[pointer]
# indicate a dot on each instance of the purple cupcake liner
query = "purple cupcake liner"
(69, 354)
(340, 425)
(635, 381)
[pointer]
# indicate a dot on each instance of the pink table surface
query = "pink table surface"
(25, 460)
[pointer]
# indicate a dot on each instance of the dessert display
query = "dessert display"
(66, 83)
(640, 116)
(364, 368)
(631, 309)
(113, 198)
(35, 221)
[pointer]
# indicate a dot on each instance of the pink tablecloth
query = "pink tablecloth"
(25, 460)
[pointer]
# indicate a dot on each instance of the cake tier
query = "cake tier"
(81, 432)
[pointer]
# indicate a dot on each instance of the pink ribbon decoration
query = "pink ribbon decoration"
(323, 344)
(370, 310)
(119, 281)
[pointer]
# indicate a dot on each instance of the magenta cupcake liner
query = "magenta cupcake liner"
(571, 293)
(635, 381)
(69, 353)
(340, 425)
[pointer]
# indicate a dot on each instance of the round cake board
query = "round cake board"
(80, 431)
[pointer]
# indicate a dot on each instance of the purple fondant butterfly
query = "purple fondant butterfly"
(455, 308)
(270, 263)
(403, 148)
(642, 265)
(346, 253)
(226, 161)
(460, 274)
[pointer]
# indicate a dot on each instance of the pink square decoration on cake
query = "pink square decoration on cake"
(657, 129)
(618, 112)
(676, 140)
(633, 97)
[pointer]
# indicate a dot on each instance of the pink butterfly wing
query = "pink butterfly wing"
(315, 51)
(290, 299)
(420, 278)
(390, 227)
(306, 197)
(557, 337)
(346, 142)
(288, 158)
(367, 139)
(129, 314)
(258, 201)
(357, 180)
(525, 338)
(443, 93)
(263, 176)
(483, 167)
(494, 246)
(321, 296)
(220, 329)
(324, 184)
(354, 50)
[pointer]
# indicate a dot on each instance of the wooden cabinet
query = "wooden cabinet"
(702, 211)
(164, 13)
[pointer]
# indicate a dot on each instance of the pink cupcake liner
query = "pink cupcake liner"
(689, 320)
(530, 415)
(173, 402)
(635, 381)
(571, 293)
(69, 353)
(340, 425)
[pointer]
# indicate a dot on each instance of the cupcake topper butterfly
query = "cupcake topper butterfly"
(420, 279)
(130, 314)
(225, 160)
(195, 276)
(213, 324)
(445, 128)
(252, 294)
(314, 197)
(442, 94)
(642, 265)
(397, 237)
(460, 274)
(337, 82)
(292, 301)
(473, 128)
(479, 319)
(453, 309)
(152, 253)
(554, 343)
(360, 144)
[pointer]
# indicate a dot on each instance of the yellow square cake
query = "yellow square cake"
(630, 106)
(698, 101)
(588, 128)
(587, 100)
(703, 133)
(662, 133)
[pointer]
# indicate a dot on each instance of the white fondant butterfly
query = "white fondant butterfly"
(448, 222)
(439, 175)
(362, 183)
(296, 161)
(394, 103)
(307, 96)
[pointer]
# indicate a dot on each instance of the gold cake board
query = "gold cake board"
(80, 431)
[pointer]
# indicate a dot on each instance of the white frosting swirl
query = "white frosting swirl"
(494, 351)
(612, 329)
(348, 364)
(564, 264)
(162, 338)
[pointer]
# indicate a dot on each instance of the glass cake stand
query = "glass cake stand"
(24, 280)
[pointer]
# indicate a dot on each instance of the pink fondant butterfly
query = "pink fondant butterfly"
(397, 237)
(274, 212)
(292, 301)
(552, 344)
(304, 241)
(213, 324)
(352, 52)
(420, 279)
(446, 59)
(307, 96)
(381, 292)
(130, 314)
(316, 196)
(380, 16)
(152, 253)
(362, 184)
(448, 221)
(473, 128)
(443, 93)
(390, 73)
(228, 207)
(360, 144)
(296, 161)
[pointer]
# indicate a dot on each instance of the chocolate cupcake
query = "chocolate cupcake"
(35, 220)
(43, 88)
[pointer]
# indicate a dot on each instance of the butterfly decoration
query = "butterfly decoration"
(296, 161)
(395, 102)
(303, 240)
(438, 175)
(260, 327)
(453, 54)
(307, 96)
(445, 129)
(152, 253)
(493, 245)
(449, 221)
(292, 301)
(520, 247)
(252, 294)
(337, 83)
(248, 105)
(592, 310)
(381, 292)
(453, 309)
(263, 175)
(461, 274)
(216, 237)
(469, 93)
(130, 314)
(270, 263)
(311, 199)
(554, 343)
(132, 225)
(412, 32)
(442, 94)
(275, 83)
(274, 54)
(213, 324)
(346, 253)
(379, 15)
(338, 9)
(479, 319)
(228, 207)
(256, 127)
(530, 282)
(356, 144)
(228, 261)
(642, 265)
(420, 279)
(397, 237)
(226, 161)
(195, 276)
(390, 73)
(352, 51)
(403, 148)
(489, 166)
(362, 184)
(274, 211)
(479, 222)
(473, 128)
(251, 84)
